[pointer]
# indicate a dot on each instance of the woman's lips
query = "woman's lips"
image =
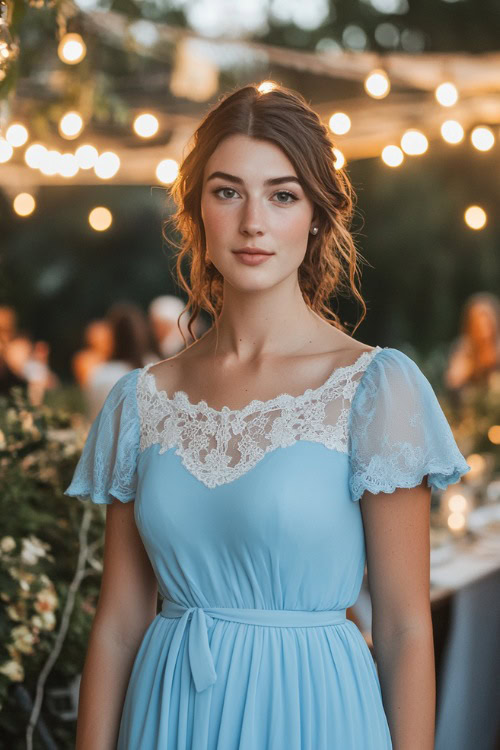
(252, 259)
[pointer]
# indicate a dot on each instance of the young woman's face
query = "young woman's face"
(241, 207)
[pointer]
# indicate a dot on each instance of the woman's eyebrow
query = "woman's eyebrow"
(239, 181)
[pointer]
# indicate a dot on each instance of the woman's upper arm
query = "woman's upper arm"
(397, 537)
(129, 589)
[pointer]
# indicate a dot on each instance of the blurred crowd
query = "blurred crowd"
(124, 339)
(127, 338)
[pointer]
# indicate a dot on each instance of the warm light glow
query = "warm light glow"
(482, 138)
(16, 134)
(475, 217)
(414, 142)
(146, 125)
(339, 158)
(34, 154)
(71, 49)
(452, 131)
(6, 150)
(494, 434)
(86, 156)
(340, 123)
(457, 503)
(70, 125)
(377, 84)
(107, 165)
(266, 86)
(456, 521)
(446, 94)
(392, 156)
(24, 204)
(477, 465)
(167, 170)
(100, 218)
(49, 162)
(68, 166)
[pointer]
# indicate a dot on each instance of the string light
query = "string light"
(340, 123)
(482, 138)
(339, 159)
(68, 166)
(86, 156)
(392, 156)
(167, 170)
(377, 84)
(70, 125)
(475, 217)
(107, 165)
(6, 150)
(414, 142)
(146, 125)
(71, 49)
(50, 162)
(100, 218)
(24, 204)
(446, 94)
(452, 131)
(16, 134)
(34, 154)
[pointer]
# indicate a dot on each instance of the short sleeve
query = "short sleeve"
(107, 467)
(398, 432)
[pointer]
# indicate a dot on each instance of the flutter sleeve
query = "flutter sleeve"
(398, 432)
(107, 466)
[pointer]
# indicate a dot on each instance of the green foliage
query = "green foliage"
(39, 550)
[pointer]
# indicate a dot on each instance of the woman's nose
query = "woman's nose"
(251, 217)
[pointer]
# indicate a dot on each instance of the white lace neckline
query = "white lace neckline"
(181, 399)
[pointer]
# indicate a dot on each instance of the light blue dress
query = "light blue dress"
(251, 522)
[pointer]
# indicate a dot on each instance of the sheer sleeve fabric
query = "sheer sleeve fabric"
(107, 466)
(398, 432)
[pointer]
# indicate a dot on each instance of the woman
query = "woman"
(132, 348)
(261, 458)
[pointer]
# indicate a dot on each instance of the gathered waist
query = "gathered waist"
(200, 655)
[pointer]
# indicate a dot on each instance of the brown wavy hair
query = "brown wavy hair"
(283, 117)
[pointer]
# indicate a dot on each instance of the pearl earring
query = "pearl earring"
(314, 230)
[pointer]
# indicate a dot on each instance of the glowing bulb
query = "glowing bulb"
(100, 218)
(452, 131)
(377, 84)
(71, 49)
(494, 434)
(68, 165)
(107, 165)
(50, 162)
(34, 154)
(266, 86)
(167, 170)
(16, 134)
(70, 125)
(446, 94)
(414, 143)
(475, 217)
(392, 156)
(24, 204)
(457, 503)
(86, 156)
(339, 159)
(456, 521)
(146, 125)
(6, 150)
(340, 123)
(482, 138)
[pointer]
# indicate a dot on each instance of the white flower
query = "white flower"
(7, 544)
(48, 620)
(13, 669)
(12, 612)
(33, 548)
(23, 639)
(46, 601)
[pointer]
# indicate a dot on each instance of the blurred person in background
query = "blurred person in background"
(475, 353)
(98, 338)
(163, 314)
(132, 347)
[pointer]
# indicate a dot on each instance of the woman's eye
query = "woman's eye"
(287, 195)
(225, 190)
